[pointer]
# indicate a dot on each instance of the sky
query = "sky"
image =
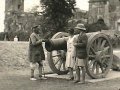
(82, 4)
(2, 9)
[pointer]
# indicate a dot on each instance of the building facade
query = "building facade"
(109, 10)
(18, 20)
(13, 12)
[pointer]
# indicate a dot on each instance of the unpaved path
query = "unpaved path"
(15, 80)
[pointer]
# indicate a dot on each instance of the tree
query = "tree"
(56, 14)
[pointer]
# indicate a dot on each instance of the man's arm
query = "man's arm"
(34, 41)
(83, 43)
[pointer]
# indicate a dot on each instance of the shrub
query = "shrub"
(22, 35)
(2, 36)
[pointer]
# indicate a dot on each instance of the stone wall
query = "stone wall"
(109, 11)
(97, 10)
(21, 21)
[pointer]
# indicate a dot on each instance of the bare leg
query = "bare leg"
(83, 74)
(64, 61)
(32, 65)
(78, 74)
(32, 73)
(71, 73)
(40, 70)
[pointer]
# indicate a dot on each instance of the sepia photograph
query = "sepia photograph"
(60, 45)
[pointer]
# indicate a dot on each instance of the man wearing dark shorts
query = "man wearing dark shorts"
(36, 52)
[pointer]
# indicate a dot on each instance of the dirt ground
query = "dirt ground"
(19, 80)
(15, 76)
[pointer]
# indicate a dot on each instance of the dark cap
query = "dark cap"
(71, 30)
(34, 27)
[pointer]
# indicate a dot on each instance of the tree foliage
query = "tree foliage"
(56, 13)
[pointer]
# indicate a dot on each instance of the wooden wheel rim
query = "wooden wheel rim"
(91, 40)
(52, 65)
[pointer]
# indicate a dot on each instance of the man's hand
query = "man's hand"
(42, 40)
(43, 63)
(45, 40)
(39, 41)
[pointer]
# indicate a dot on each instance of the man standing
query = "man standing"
(81, 53)
(36, 53)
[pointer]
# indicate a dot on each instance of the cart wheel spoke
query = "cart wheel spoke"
(93, 50)
(105, 56)
(91, 56)
(99, 43)
(102, 68)
(97, 68)
(64, 66)
(94, 66)
(91, 63)
(104, 63)
(95, 45)
(57, 61)
(103, 44)
(59, 65)
(106, 49)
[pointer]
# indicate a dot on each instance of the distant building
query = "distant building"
(14, 5)
(16, 19)
(13, 9)
(109, 10)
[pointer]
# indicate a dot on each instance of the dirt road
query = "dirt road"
(20, 81)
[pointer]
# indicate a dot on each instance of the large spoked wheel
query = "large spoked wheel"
(57, 58)
(100, 55)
